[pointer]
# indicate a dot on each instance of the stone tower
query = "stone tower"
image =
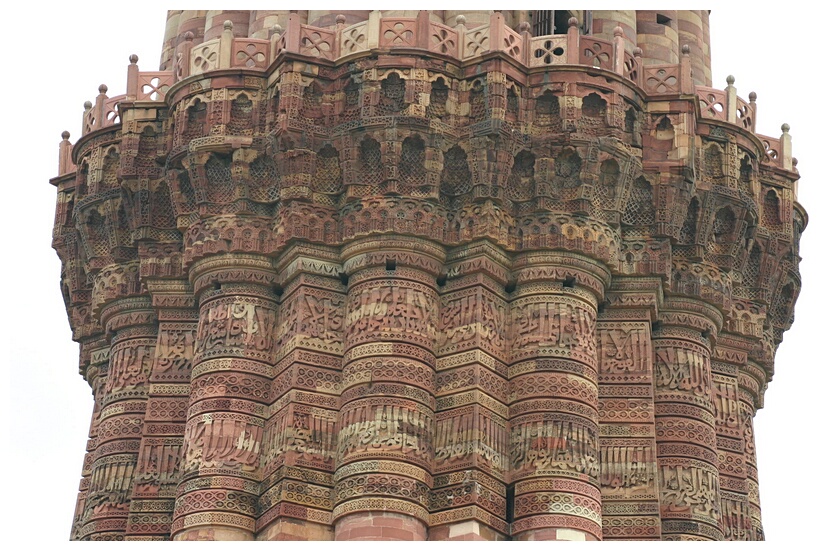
(426, 275)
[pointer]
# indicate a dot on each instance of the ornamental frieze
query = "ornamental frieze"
(414, 275)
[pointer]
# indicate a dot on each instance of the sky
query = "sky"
(55, 63)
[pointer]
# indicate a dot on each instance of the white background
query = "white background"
(54, 58)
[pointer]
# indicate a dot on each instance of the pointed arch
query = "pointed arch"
(478, 102)
(520, 185)
(547, 111)
(640, 209)
(439, 92)
(411, 162)
(688, 232)
(241, 121)
(162, 212)
(391, 98)
(593, 106)
(371, 170)
(264, 176)
(724, 227)
(771, 209)
(220, 180)
(513, 105)
(328, 176)
(455, 178)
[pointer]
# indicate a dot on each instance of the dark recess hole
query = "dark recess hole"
(656, 326)
(217, 286)
(569, 283)
(510, 287)
(343, 278)
(390, 265)
(663, 20)
(441, 280)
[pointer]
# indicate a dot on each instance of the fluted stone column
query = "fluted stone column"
(473, 18)
(554, 464)
(327, 18)
(384, 461)
(629, 470)
(658, 36)
(730, 356)
(751, 381)
(261, 22)
(299, 442)
(604, 23)
(685, 420)
(217, 495)
(469, 498)
(94, 362)
(160, 454)
(215, 19)
(131, 324)
(690, 33)
(192, 21)
(169, 40)
(707, 49)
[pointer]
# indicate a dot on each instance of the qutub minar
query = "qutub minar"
(426, 275)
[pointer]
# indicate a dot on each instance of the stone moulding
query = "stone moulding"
(398, 279)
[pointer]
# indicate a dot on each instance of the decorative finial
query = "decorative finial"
(785, 128)
(227, 25)
(340, 19)
(730, 80)
(133, 59)
(461, 20)
(752, 97)
(637, 52)
(103, 88)
(524, 27)
(573, 21)
(685, 49)
(794, 162)
(87, 105)
(65, 135)
(618, 31)
(188, 36)
(277, 28)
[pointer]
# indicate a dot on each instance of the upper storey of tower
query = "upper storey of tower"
(658, 36)
(658, 55)
(542, 119)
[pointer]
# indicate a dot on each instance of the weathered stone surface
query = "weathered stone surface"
(425, 275)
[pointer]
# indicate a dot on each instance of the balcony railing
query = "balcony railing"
(420, 33)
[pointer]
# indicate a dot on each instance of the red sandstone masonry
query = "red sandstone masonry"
(379, 526)
(423, 275)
